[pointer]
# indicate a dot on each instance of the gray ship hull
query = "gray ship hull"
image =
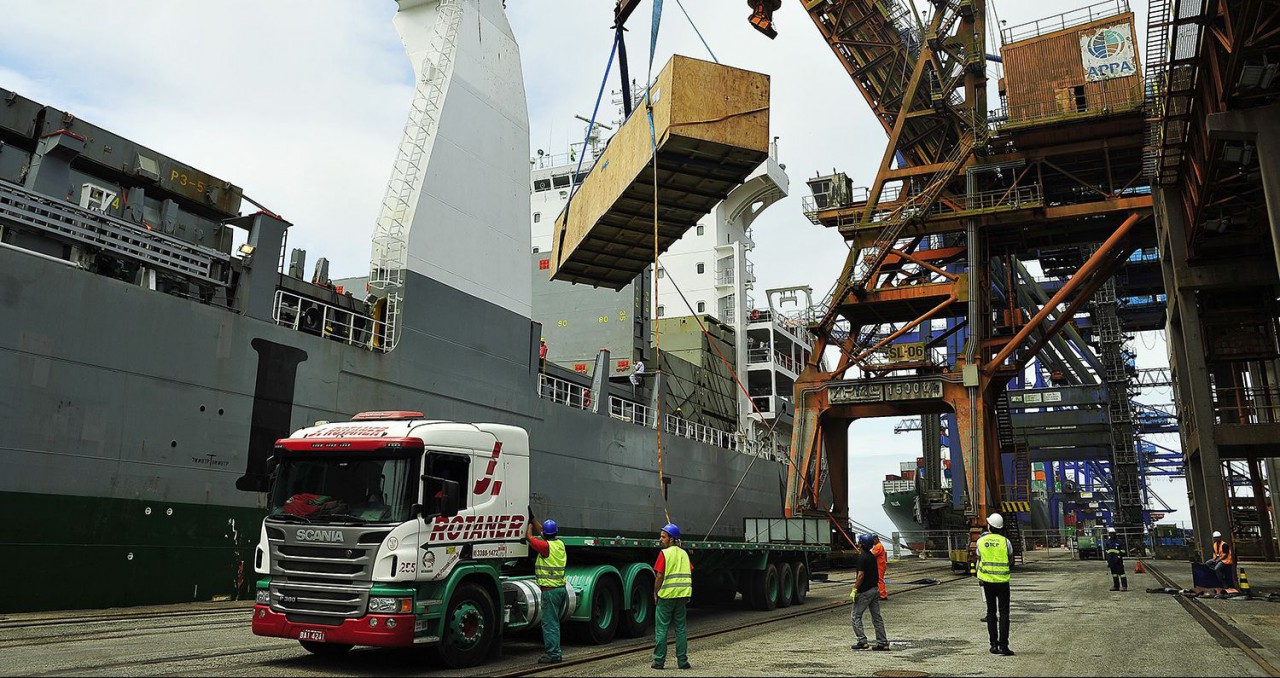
(135, 427)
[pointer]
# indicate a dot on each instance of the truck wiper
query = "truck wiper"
(289, 518)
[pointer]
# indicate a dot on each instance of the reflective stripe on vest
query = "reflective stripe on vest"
(677, 580)
(993, 552)
(550, 570)
(1220, 549)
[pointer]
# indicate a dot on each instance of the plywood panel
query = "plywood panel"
(711, 124)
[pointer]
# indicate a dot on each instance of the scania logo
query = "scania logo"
(320, 535)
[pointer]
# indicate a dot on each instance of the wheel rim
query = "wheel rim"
(771, 587)
(602, 609)
(639, 604)
(466, 626)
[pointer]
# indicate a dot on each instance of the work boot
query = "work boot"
(686, 665)
(656, 665)
(860, 645)
(1006, 651)
(995, 649)
(544, 659)
(1114, 589)
(881, 648)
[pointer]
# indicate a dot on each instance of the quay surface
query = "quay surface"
(1065, 623)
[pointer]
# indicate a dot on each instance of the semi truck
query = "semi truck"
(395, 530)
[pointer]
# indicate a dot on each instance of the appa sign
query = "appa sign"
(1108, 53)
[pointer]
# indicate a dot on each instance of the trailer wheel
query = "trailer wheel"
(606, 611)
(325, 649)
(801, 591)
(637, 619)
(786, 584)
(765, 585)
(470, 627)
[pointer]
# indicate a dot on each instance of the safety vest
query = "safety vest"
(550, 570)
(1221, 550)
(1113, 547)
(993, 554)
(677, 580)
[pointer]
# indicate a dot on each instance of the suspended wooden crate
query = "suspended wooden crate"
(711, 123)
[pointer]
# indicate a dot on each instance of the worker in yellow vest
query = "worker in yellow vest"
(672, 588)
(994, 556)
(548, 569)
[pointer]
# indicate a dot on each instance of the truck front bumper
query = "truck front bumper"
(379, 630)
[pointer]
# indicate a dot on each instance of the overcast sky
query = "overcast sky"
(302, 104)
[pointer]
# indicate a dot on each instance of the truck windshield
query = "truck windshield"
(344, 489)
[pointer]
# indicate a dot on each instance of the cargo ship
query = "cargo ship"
(156, 343)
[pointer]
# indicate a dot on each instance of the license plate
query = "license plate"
(311, 634)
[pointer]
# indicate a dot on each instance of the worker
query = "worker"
(548, 568)
(882, 563)
(1221, 561)
(1115, 561)
(672, 589)
(995, 553)
(542, 355)
(866, 596)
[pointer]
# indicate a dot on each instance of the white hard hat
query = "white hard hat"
(1217, 534)
(996, 521)
(1111, 530)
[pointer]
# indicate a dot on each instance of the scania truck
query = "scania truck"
(395, 530)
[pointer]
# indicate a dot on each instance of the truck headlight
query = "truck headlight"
(391, 605)
(264, 596)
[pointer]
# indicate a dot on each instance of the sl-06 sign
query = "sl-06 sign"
(1108, 53)
(850, 393)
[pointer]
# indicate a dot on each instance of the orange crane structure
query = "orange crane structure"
(963, 194)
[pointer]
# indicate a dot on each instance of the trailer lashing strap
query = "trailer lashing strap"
(70, 222)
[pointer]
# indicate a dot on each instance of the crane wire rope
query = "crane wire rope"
(655, 24)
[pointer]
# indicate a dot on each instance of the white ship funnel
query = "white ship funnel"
(457, 205)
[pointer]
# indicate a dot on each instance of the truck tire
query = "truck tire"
(786, 584)
(325, 649)
(765, 588)
(470, 628)
(801, 591)
(637, 619)
(606, 611)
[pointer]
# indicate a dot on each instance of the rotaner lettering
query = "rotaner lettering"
(476, 528)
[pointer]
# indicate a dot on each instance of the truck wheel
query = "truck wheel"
(801, 591)
(786, 584)
(325, 649)
(470, 627)
(765, 588)
(606, 610)
(637, 619)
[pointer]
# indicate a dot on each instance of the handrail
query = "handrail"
(332, 322)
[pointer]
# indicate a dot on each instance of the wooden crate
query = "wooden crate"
(711, 123)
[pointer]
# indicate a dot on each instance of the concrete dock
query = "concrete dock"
(1064, 623)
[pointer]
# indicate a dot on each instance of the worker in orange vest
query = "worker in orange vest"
(1222, 560)
(882, 562)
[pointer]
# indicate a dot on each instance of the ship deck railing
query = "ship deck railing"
(331, 322)
(578, 396)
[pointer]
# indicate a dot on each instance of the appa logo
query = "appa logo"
(1108, 53)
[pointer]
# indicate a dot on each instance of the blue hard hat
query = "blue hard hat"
(865, 539)
(673, 530)
(549, 527)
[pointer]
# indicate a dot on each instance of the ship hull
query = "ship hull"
(135, 428)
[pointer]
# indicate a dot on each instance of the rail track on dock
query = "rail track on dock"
(644, 645)
(1211, 621)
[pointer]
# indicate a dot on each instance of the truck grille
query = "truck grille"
(329, 581)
